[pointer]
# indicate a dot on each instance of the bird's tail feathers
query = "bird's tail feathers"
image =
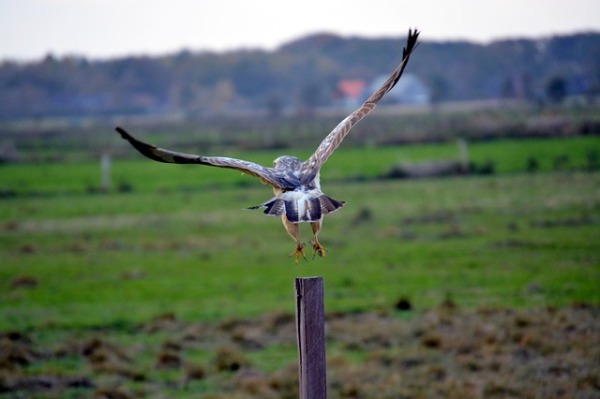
(329, 205)
(301, 210)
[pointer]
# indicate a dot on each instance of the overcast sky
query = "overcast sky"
(30, 29)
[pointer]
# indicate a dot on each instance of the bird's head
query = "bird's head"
(286, 162)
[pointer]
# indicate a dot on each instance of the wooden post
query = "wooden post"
(310, 332)
(105, 172)
(463, 154)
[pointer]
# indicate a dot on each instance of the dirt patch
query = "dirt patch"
(442, 353)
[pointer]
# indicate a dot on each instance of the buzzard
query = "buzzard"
(296, 184)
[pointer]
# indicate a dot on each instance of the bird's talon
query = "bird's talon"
(318, 249)
(299, 251)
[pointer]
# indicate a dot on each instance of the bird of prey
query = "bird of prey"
(296, 184)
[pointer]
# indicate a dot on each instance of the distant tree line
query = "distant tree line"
(300, 75)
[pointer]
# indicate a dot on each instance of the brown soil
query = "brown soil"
(442, 353)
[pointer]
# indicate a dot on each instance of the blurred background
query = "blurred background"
(466, 262)
(186, 59)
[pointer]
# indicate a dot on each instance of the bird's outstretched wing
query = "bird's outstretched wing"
(311, 166)
(267, 175)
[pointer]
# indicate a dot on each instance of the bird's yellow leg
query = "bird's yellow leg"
(293, 230)
(318, 249)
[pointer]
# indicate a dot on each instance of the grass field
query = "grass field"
(171, 246)
(507, 156)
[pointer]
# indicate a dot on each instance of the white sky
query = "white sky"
(30, 29)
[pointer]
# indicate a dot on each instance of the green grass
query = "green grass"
(508, 156)
(181, 241)
(514, 240)
(105, 264)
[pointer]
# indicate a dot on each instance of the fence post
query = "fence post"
(463, 154)
(105, 172)
(310, 333)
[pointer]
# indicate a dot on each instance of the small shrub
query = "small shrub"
(24, 281)
(364, 215)
(168, 360)
(228, 358)
(486, 168)
(533, 165)
(593, 160)
(125, 187)
(403, 305)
